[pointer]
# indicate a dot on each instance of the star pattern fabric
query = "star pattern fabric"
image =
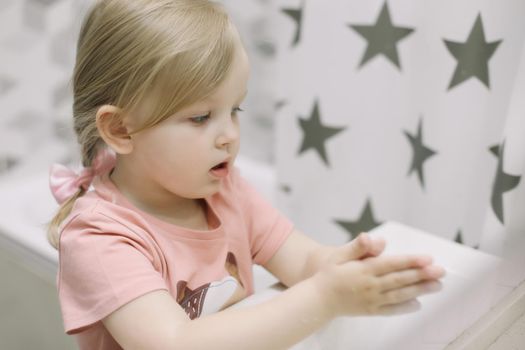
(503, 183)
(472, 56)
(297, 16)
(382, 38)
(364, 223)
(459, 237)
(494, 150)
(455, 191)
(315, 134)
(421, 153)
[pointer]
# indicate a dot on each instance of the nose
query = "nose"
(228, 133)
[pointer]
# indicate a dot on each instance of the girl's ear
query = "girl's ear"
(113, 129)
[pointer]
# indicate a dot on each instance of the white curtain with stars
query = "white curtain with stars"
(404, 110)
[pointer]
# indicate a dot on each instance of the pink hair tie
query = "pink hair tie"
(64, 182)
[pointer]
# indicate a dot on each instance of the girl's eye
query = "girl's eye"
(237, 110)
(200, 119)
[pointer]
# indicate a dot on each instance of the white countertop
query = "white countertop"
(469, 292)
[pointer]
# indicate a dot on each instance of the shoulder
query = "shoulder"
(110, 236)
(100, 219)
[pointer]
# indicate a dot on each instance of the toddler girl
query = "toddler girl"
(158, 233)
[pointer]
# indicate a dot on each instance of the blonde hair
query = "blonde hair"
(170, 52)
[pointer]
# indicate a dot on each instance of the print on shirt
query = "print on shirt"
(214, 296)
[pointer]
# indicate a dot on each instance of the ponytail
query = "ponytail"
(67, 186)
(53, 234)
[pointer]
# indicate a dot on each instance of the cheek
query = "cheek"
(175, 148)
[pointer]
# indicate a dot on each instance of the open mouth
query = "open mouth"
(220, 170)
(220, 166)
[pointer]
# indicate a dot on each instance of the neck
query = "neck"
(155, 200)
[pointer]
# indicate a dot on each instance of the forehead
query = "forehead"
(235, 83)
(230, 91)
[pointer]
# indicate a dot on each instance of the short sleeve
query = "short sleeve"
(268, 228)
(102, 266)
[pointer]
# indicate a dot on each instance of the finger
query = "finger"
(377, 247)
(411, 276)
(382, 265)
(409, 306)
(354, 250)
(404, 294)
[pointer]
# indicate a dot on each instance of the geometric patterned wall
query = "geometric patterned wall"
(403, 110)
(36, 41)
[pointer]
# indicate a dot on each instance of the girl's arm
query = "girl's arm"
(376, 285)
(155, 321)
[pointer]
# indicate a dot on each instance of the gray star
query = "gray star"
(494, 150)
(503, 183)
(285, 188)
(7, 163)
(364, 224)
(297, 16)
(279, 104)
(459, 237)
(421, 152)
(472, 56)
(382, 37)
(316, 134)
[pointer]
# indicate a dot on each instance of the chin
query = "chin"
(209, 190)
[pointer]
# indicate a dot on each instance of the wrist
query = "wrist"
(324, 295)
(315, 261)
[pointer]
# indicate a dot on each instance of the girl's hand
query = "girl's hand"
(379, 285)
(362, 247)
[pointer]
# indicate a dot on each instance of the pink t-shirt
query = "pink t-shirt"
(111, 253)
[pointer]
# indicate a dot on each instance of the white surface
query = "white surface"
(466, 295)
